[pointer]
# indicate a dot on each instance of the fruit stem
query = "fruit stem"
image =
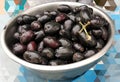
(84, 28)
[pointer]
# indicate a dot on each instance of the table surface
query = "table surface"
(107, 70)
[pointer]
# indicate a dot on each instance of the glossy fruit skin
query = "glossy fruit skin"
(18, 49)
(76, 29)
(35, 25)
(83, 8)
(68, 24)
(72, 17)
(65, 33)
(23, 28)
(78, 47)
(78, 56)
(16, 36)
(52, 27)
(89, 53)
(85, 41)
(53, 14)
(46, 13)
(40, 46)
(104, 34)
(51, 42)
(48, 53)
(57, 62)
(95, 23)
(64, 53)
(64, 9)
(43, 19)
(32, 46)
(85, 16)
(38, 16)
(84, 12)
(27, 19)
(20, 20)
(97, 33)
(26, 37)
(61, 18)
(39, 35)
(100, 44)
(78, 19)
(34, 57)
(65, 42)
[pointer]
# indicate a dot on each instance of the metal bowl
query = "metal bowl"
(61, 72)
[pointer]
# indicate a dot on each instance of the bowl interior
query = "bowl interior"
(10, 29)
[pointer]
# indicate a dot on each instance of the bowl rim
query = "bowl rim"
(59, 67)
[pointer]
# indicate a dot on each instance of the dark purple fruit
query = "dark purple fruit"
(16, 36)
(32, 46)
(64, 33)
(102, 21)
(43, 19)
(27, 37)
(68, 24)
(20, 20)
(76, 29)
(39, 35)
(104, 34)
(46, 12)
(97, 16)
(98, 22)
(61, 18)
(19, 49)
(27, 19)
(88, 42)
(53, 14)
(52, 27)
(40, 46)
(85, 16)
(89, 53)
(34, 57)
(100, 44)
(64, 53)
(38, 15)
(97, 33)
(83, 8)
(57, 62)
(78, 47)
(72, 17)
(64, 8)
(48, 53)
(51, 42)
(43, 61)
(65, 42)
(95, 23)
(35, 25)
(78, 56)
(23, 28)
(90, 10)
(78, 19)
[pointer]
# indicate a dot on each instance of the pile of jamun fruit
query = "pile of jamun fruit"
(62, 36)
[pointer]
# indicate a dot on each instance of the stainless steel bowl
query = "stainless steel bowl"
(61, 72)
